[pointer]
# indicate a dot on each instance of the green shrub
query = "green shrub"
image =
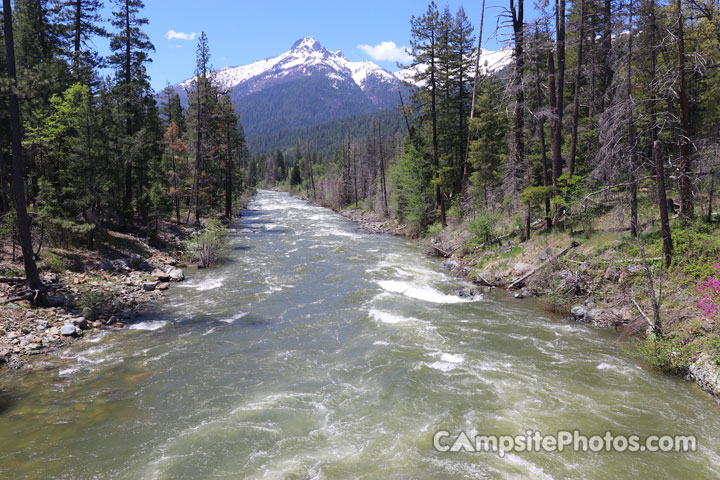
(209, 246)
(483, 226)
(53, 263)
(434, 229)
(91, 303)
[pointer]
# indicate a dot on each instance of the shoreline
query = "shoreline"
(703, 371)
(99, 294)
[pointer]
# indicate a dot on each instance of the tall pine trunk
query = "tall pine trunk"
(576, 93)
(31, 272)
(541, 133)
(662, 203)
(228, 174)
(631, 131)
(518, 25)
(687, 210)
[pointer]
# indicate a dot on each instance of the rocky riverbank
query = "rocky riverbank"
(89, 291)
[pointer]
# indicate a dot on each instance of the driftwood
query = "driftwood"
(442, 252)
(542, 265)
(484, 281)
(12, 280)
(24, 296)
(618, 261)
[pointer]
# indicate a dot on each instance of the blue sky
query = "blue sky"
(242, 32)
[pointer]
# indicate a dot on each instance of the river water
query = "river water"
(317, 351)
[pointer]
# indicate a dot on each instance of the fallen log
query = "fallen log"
(442, 252)
(547, 262)
(24, 296)
(12, 280)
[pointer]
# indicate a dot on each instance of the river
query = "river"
(316, 351)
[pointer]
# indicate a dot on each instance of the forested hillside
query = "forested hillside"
(91, 154)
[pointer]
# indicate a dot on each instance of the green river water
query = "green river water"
(319, 352)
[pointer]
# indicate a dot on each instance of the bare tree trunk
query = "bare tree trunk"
(4, 197)
(576, 93)
(684, 165)
(554, 126)
(541, 133)
(435, 144)
(31, 271)
(710, 197)
(662, 203)
(228, 173)
(382, 170)
(518, 24)
(465, 168)
(631, 131)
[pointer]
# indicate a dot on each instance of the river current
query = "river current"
(316, 351)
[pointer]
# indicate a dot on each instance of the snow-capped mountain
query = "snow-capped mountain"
(309, 85)
(306, 58)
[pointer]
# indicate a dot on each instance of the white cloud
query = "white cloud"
(386, 51)
(173, 35)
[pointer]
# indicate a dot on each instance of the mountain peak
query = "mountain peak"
(307, 43)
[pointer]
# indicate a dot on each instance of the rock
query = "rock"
(594, 315)
(150, 286)
(521, 268)
(68, 330)
(112, 320)
(50, 278)
(450, 264)
(578, 313)
(97, 324)
(176, 275)
(163, 286)
(81, 323)
(707, 375)
(160, 275)
(546, 253)
(519, 296)
(37, 340)
(41, 325)
(33, 346)
(634, 268)
(468, 292)
(123, 264)
(107, 265)
(13, 335)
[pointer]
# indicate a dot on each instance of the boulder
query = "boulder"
(150, 286)
(519, 296)
(163, 286)
(81, 323)
(176, 275)
(68, 330)
(107, 265)
(578, 313)
(594, 315)
(706, 374)
(160, 275)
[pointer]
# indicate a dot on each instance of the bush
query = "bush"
(54, 263)
(209, 246)
(483, 227)
(91, 304)
(434, 229)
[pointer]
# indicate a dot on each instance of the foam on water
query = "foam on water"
(418, 292)
(148, 325)
(387, 317)
(234, 318)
